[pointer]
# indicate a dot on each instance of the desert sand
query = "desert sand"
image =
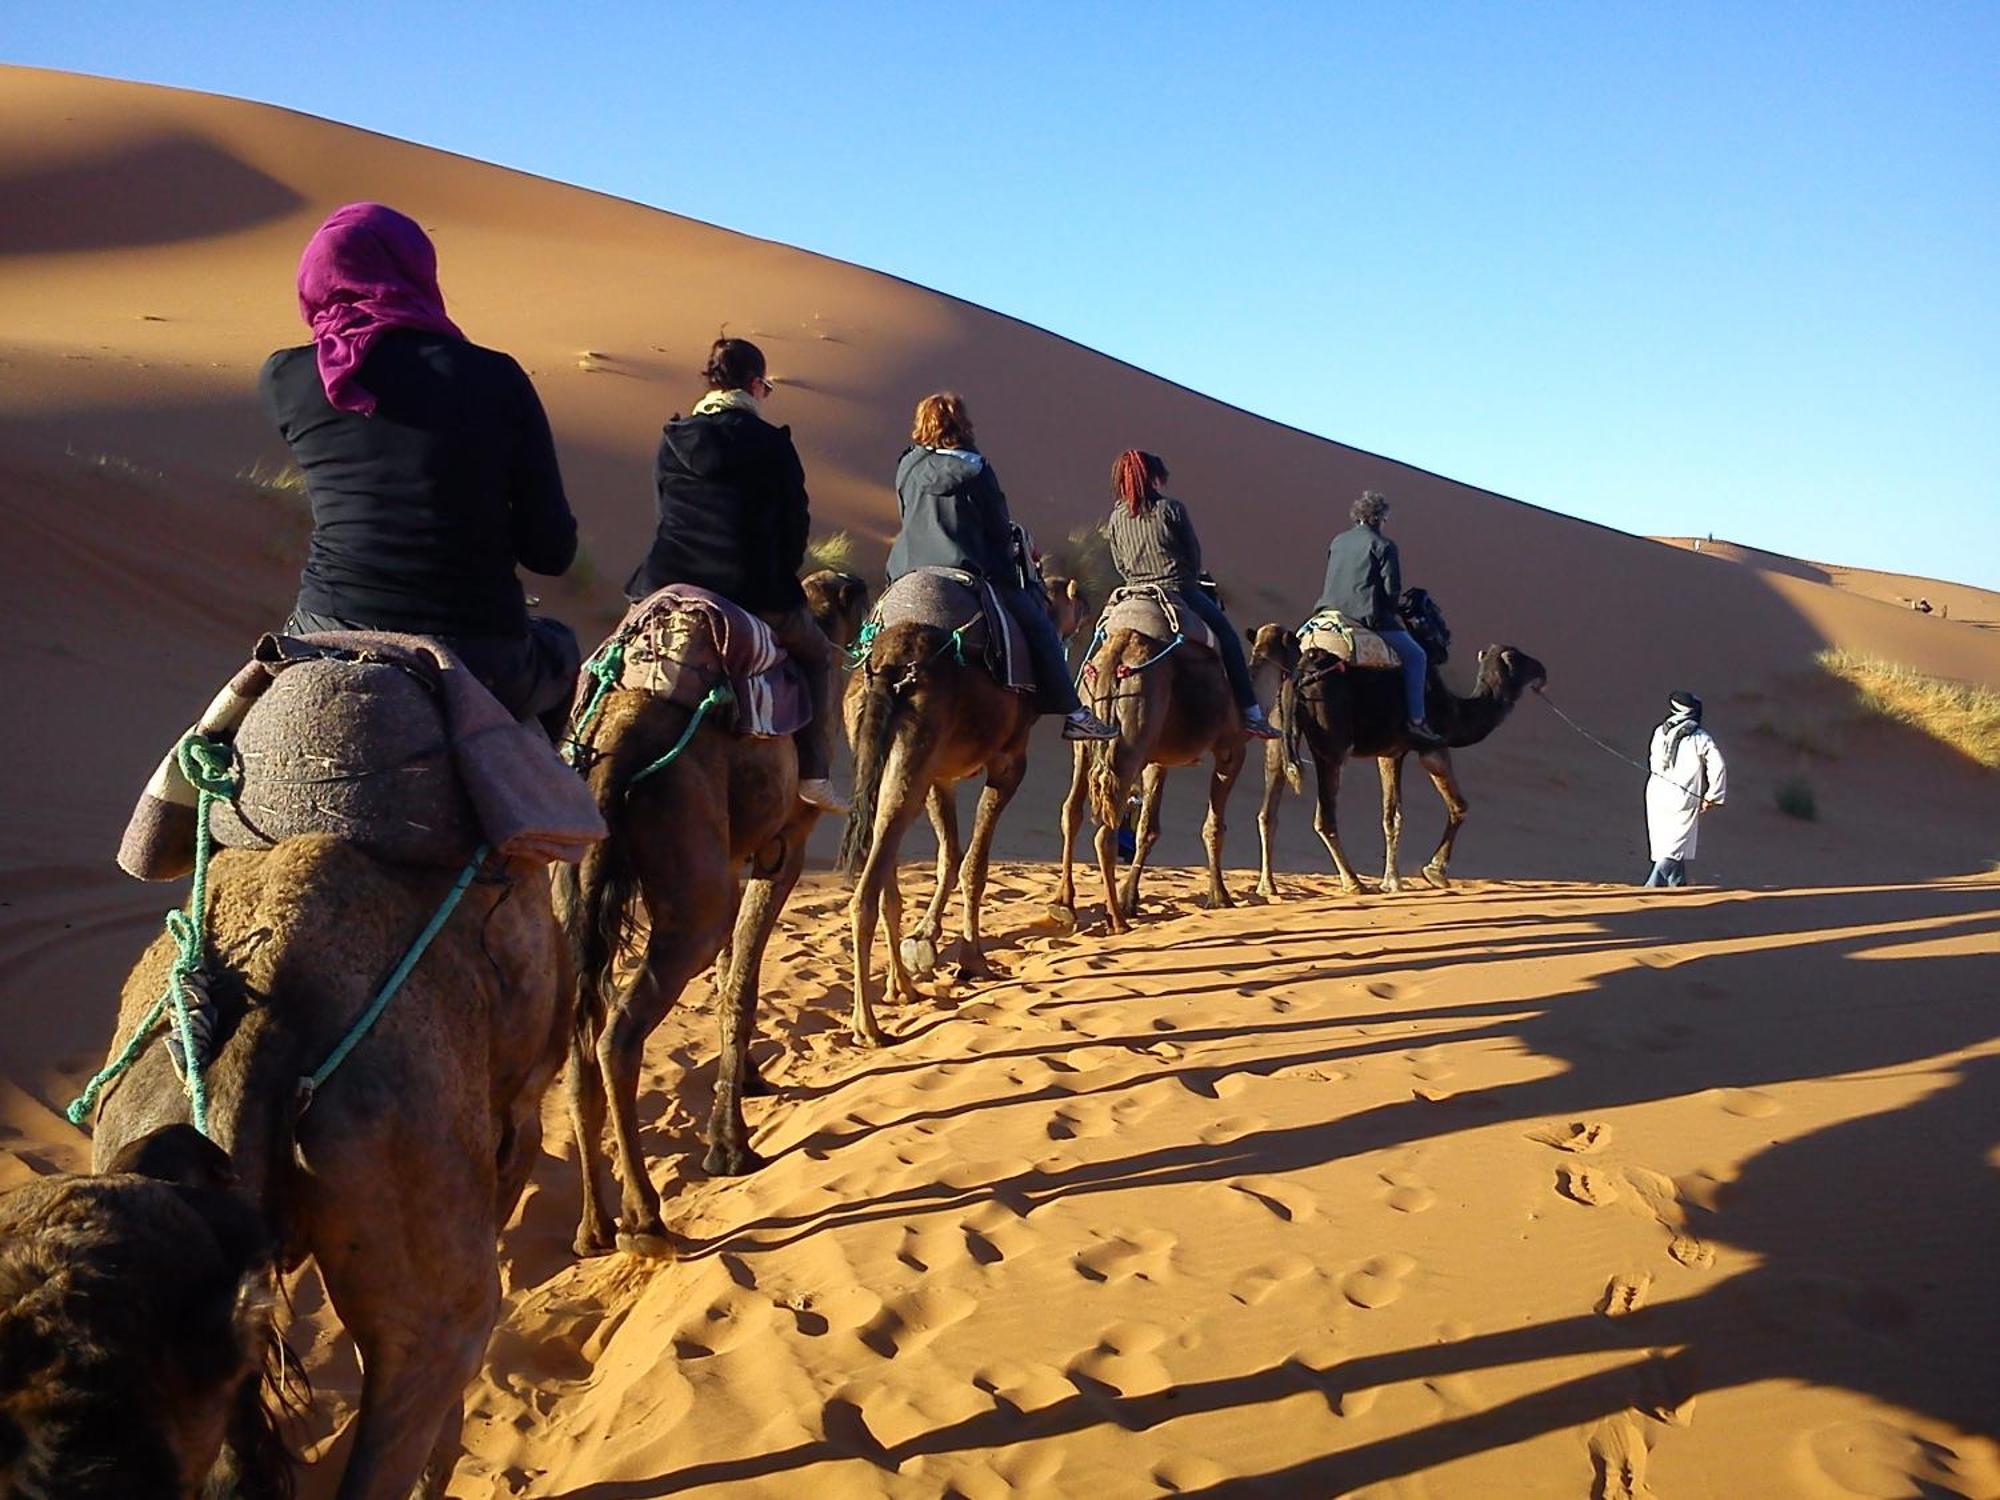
(1541, 1186)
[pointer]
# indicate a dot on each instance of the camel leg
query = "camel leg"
(864, 910)
(376, 1240)
(1445, 779)
(1152, 783)
(729, 1153)
(675, 953)
(920, 953)
(1221, 782)
(1391, 769)
(1267, 819)
(1326, 821)
(585, 1088)
(1001, 784)
(1063, 909)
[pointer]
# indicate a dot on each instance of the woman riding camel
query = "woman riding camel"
(1364, 579)
(1153, 545)
(955, 516)
(734, 519)
(428, 463)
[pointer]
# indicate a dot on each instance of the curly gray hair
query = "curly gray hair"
(1369, 509)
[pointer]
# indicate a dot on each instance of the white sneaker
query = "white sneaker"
(1085, 725)
(819, 793)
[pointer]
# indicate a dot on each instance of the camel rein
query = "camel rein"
(1611, 750)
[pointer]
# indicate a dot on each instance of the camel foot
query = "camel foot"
(653, 1245)
(972, 964)
(920, 954)
(1267, 890)
(1062, 917)
(1436, 876)
(1354, 888)
(724, 1160)
(868, 1034)
(1391, 886)
(588, 1245)
(1215, 900)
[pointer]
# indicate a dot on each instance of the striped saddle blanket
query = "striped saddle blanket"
(682, 642)
(1155, 612)
(965, 605)
(1332, 632)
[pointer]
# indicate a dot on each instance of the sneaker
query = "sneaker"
(1257, 726)
(1422, 735)
(819, 793)
(1085, 725)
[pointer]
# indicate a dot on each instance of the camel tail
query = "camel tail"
(595, 897)
(873, 734)
(1100, 756)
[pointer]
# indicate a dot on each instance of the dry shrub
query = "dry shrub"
(1795, 799)
(835, 551)
(1084, 555)
(1962, 715)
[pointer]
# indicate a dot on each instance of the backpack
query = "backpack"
(1424, 620)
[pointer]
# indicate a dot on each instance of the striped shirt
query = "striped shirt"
(1156, 546)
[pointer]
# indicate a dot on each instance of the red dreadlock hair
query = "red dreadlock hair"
(1136, 479)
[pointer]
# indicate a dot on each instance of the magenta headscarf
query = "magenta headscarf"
(366, 270)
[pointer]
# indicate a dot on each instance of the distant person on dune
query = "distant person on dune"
(955, 516)
(428, 463)
(1153, 543)
(1364, 579)
(1685, 777)
(734, 518)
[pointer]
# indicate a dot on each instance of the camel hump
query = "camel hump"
(963, 606)
(1332, 632)
(1158, 613)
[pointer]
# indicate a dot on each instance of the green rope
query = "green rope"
(365, 1022)
(714, 698)
(208, 766)
(606, 666)
(864, 642)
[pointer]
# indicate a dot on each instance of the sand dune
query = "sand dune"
(1948, 601)
(1537, 1188)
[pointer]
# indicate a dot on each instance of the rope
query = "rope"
(864, 642)
(365, 1022)
(714, 698)
(1134, 669)
(1612, 750)
(607, 667)
(208, 767)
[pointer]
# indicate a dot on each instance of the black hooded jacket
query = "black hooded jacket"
(733, 512)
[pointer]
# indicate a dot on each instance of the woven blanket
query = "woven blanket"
(383, 740)
(1156, 612)
(951, 600)
(1357, 645)
(681, 641)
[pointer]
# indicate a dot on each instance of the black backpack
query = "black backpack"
(1424, 620)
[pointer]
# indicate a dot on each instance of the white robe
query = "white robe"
(1674, 792)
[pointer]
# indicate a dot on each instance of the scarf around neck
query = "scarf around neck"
(366, 270)
(716, 401)
(1679, 725)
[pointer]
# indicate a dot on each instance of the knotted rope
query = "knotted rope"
(607, 668)
(715, 697)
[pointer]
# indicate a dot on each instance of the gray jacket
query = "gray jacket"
(954, 516)
(1364, 578)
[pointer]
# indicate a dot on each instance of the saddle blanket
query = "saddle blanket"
(952, 600)
(681, 641)
(386, 741)
(1357, 645)
(1155, 612)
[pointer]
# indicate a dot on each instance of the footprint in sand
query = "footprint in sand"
(1379, 1281)
(1382, 990)
(1230, 1128)
(1255, 1285)
(1691, 1252)
(1124, 1360)
(1185, 1473)
(1749, 1104)
(1430, 1065)
(1408, 1193)
(1027, 1388)
(1145, 1254)
(1618, 1454)
(1591, 1185)
(1625, 1294)
(993, 1231)
(911, 1321)
(1881, 1461)
(1580, 1136)
(1283, 1197)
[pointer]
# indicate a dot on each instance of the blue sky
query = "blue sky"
(1687, 268)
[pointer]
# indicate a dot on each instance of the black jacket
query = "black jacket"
(954, 516)
(421, 511)
(733, 511)
(1364, 578)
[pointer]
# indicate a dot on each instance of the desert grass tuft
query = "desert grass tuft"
(1964, 716)
(275, 479)
(837, 551)
(1795, 799)
(1085, 556)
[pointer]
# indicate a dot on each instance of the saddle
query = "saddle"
(1157, 612)
(1355, 645)
(683, 643)
(384, 741)
(965, 606)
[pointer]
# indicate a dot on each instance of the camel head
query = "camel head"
(1273, 643)
(133, 1308)
(839, 602)
(1506, 672)
(1066, 602)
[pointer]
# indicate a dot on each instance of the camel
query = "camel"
(1341, 712)
(396, 1174)
(1171, 708)
(679, 842)
(921, 720)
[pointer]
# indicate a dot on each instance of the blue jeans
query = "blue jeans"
(1054, 692)
(1668, 872)
(1416, 665)
(1228, 642)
